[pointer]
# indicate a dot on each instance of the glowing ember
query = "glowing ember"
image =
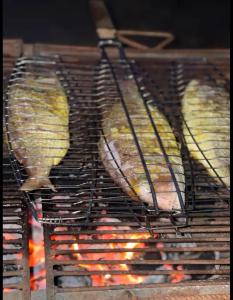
(93, 249)
(38, 281)
(8, 245)
(109, 279)
(175, 278)
(36, 253)
(37, 257)
(90, 250)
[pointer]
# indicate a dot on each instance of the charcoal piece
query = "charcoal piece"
(72, 281)
(155, 279)
(205, 255)
(12, 280)
(9, 268)
(148, 256)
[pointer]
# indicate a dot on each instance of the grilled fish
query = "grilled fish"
(121, 158)
(206, 112)
(38, 127)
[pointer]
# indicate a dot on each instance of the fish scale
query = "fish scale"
(38, 127)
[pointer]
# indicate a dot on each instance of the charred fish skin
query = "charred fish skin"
(38, 127)
(206, 128)
(121, 159)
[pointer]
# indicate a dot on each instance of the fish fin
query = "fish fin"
(32, 184)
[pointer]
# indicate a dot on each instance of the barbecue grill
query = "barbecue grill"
(70, 246)
(97, 240)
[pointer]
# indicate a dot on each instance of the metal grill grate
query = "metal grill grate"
(81, 180)
(114, 254)
(15, 236)
(16, 276)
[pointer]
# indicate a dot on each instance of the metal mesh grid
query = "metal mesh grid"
(81, 180)
(16, 275)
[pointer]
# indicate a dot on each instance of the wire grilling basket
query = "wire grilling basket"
(85, 190)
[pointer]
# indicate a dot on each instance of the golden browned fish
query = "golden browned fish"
(206, 111)
(118, 142)
(38, 127)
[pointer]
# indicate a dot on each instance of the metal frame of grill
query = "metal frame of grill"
(16, 274)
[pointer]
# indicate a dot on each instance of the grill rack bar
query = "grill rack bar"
(15, 217)
(15, 239)
(58, 257)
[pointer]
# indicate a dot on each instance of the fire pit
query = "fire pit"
(96, 240)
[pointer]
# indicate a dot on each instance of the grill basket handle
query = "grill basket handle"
(105, 30)
(103, 22)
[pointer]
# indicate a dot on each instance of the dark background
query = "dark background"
(195, 23)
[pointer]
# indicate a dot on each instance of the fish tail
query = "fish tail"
(32, 184)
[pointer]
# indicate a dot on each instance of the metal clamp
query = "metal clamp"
(105, 43)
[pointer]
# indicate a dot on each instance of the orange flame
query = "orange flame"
(109, 279)
(175, 278)
(36, 253)
(37, 258)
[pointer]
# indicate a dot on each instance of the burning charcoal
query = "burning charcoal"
(149, 256)
(205, 255)
(181, 255)
(72, 281)
(156, 278)
(9, 268)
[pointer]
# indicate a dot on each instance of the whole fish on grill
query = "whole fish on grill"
(206, 111)
(121, 158)
(38, 126)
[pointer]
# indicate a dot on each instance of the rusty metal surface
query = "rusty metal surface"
(15, 236)
(15, 224)
(220, 292)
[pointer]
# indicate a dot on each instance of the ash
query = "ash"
(14, 280)
(72, 281)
